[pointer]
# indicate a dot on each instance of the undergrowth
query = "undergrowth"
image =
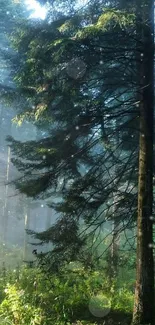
(28, 297)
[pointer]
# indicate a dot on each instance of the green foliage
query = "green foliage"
(17, 308)
(108, 19)
(31, 298)
(116, 17)
(123, 300)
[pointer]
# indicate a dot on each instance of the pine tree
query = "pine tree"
(83, 97)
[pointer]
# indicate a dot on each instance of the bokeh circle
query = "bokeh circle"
(99, 305)
(76, 68)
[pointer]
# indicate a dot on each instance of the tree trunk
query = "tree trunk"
(27, 226)
(5, 207)
(115, 249)
(144, 291)
(116, 222)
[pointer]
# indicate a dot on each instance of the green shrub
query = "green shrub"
(29, 298)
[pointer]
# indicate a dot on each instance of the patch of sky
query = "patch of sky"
(38, 11)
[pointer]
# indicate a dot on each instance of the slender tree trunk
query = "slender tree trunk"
(116, 222)
(115, 249)
(1, 116)
(27, 224)
(5, 207)
(144, 291)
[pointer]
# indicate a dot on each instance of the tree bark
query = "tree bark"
(143, 312)
(115, 250)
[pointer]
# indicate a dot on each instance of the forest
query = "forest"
(77, 170)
